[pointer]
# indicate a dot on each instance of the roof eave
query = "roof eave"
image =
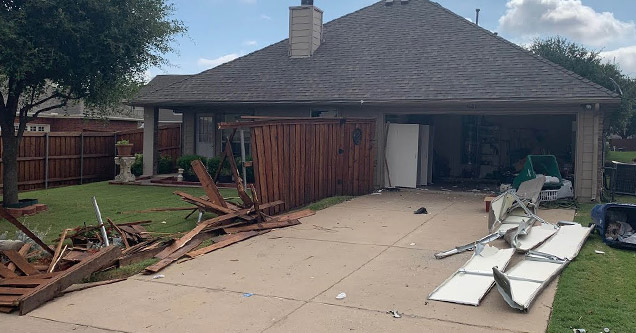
(558, 101)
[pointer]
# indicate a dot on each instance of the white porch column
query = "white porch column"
(151, 124)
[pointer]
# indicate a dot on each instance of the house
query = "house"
(166, 116)
(487, 102)
(75, 117)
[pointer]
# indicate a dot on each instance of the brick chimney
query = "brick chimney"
(305, 29)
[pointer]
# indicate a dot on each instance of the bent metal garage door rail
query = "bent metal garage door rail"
(302, 160)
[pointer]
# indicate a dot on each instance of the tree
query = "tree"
(591, 66)
(56, 52)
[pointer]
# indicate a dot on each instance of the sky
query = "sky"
(222, 30)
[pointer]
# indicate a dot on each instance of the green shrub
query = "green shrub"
(213, 164)
(165, 165)
(185, 163)
(137, 168)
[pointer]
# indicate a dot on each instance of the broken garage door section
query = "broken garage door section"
(521, 284)
(473, 280)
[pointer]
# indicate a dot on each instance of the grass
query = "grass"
(122, 272)
(620, 156)
(327, 202)
(596, 290)
(71, 206)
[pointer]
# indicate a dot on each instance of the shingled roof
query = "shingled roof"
(413, 52)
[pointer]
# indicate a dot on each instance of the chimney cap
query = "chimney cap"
(307, 2)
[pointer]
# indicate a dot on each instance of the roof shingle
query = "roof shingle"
(417, 51)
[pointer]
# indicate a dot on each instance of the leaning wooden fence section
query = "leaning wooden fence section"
(69, 158)
(300, 161)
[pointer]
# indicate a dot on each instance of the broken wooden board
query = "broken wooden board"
(262, 226)
(84, 286)
(21, 263)
(52, 287)
(23, 252)
(247, 201)
(224, 243)
(174, 256)
(209, 206)
(205, 224)
(209, 187)
(5, 214)
(6, 273)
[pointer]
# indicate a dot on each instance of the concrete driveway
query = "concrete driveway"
(372, 248)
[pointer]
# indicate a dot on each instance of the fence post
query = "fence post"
(82, 158)
(46, 161)
(115, 155)
(243, 157)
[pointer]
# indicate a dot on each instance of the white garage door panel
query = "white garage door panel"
(402, 154)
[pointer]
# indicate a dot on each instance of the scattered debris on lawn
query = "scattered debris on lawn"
(548, 248)
(28, 286)
(599, 252)
(84, 250)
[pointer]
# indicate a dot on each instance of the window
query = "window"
(41, 128)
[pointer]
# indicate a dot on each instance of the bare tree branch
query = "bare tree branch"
(42, 101)
(49, 108)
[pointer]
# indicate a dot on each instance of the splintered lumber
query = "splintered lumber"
(173, 256)
(48, 290)
(209, 205)
(155, 210)
(205, 224)
(6, 273)
(208, 184)
(223, 243)
(58, 250)
(204, 203)
(262, 226)
(83, 286)
(295, 215)
(247, 201)
(21, 263)
(218, 170)
(23, 252)
(123, 236)
(280, 221)
(6, 215)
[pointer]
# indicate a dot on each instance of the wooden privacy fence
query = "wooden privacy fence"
(70, 158)
(301, 161)
(168, 140)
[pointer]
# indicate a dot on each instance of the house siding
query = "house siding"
(589, 150)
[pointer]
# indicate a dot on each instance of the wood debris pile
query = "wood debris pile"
(234, 222)
(25, 285)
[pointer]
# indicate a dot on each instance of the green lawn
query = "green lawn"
(597, 290)
(71, 206)
(621, 156)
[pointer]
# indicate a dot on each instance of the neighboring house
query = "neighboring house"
(489, 101)
(166, 116)
(76, 117)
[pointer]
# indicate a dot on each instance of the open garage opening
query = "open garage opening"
(475, 151)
